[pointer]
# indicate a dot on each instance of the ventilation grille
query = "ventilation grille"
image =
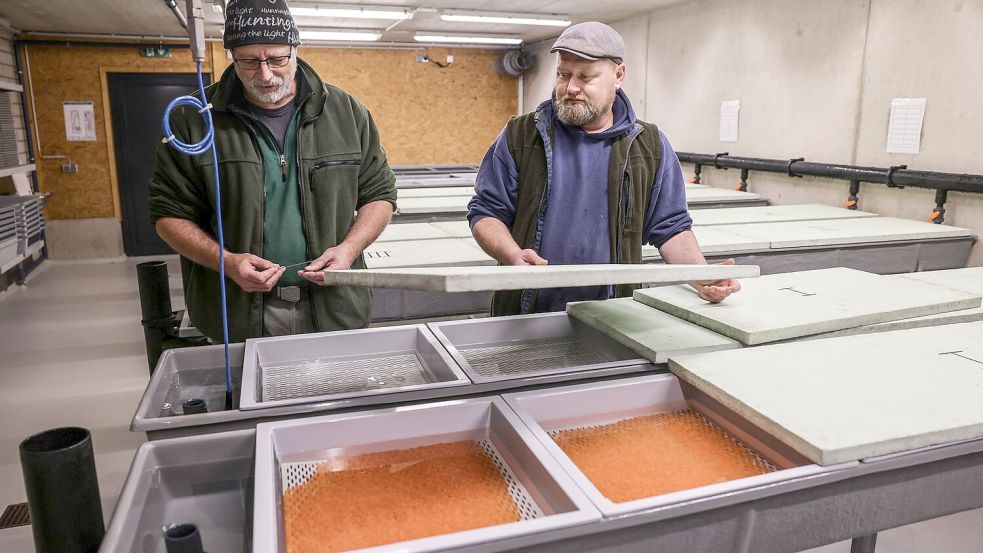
(14, 516)
(8, 137)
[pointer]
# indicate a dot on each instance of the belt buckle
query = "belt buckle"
(289, 293)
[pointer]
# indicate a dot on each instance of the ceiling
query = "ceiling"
(152, 18)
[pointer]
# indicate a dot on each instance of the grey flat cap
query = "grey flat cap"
(591, 40)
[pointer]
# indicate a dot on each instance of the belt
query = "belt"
(292, 294)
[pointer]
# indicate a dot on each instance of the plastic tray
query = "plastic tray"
(306, 368)
(578, 406)
(505, 348)
(558, 503)
(202, 480)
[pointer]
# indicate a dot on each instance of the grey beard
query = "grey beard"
(281, 92)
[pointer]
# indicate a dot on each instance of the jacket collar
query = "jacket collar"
(545, 116)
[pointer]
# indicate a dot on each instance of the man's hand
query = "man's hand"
(252, 273)
(338, 258)
(527, 257)
(715, 291)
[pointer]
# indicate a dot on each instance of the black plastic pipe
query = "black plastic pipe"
(182, 538)
(194, 406)
(895, 176)
(157, 318)
(100, 44)
(854, 199)
(62, 491)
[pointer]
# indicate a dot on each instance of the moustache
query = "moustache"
(272, 82)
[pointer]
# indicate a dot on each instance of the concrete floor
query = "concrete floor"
(72, 354)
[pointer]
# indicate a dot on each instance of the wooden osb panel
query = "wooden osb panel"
(220, 60)
(65, 73)
(425, 114)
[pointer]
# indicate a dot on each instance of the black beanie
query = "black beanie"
(259, 22)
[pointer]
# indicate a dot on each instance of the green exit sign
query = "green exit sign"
(155, 51)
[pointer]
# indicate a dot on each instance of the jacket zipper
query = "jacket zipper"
(302, 188)
(322, 164)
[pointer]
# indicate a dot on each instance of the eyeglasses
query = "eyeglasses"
(254, 63)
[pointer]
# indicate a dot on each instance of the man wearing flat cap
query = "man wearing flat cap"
(303, 177)
(581, 180)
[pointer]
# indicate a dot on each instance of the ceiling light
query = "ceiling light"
(345, 35)
(353, 12)
(509, 18)
(466, 39)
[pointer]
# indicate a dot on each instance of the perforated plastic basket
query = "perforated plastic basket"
(307, 368)
(288, 452)
(504, 348)
(548, 411)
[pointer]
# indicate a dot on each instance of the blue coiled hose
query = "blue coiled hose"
(198, 148)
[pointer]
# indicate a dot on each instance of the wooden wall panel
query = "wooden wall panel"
(66, 73)
(425, 114)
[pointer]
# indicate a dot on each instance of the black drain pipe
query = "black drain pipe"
(895, 177)
(854, 198)
(62, 491)
(160, 324)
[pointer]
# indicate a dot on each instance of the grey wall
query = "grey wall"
(815, 80)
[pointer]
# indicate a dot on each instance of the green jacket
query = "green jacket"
(340, 166)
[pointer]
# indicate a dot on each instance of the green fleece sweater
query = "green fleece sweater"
(340, 166)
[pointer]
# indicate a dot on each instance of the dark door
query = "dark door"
(137, 102)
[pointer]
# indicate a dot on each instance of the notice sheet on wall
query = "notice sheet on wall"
(904, 130)
(729, 110)
(80, 121)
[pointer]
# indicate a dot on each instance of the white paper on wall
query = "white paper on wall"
(729, 110)
(79, 121)
(904, 131)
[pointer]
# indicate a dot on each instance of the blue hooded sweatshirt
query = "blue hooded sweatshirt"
(575, 223)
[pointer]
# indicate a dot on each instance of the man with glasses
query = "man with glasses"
(305, 187)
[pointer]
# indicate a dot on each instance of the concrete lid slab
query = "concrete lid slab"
(477, 279)
(443, 252)
(439, 204)
(791, 305)
(457, 229)
(951, 317)
(854, 397)
(410, 231)
(434, 192)
(717, 240)
(711, 194)
(417, 181)
(773, 214)
(649, 332)
(798, 234)
(969, 279)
